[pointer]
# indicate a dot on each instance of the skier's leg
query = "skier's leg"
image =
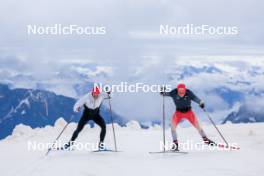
(174, 122)
(100, 121)
(194, 121)
(84, 119)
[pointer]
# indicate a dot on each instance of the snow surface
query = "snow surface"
(134, 159)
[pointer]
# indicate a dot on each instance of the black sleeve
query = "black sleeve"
(171, 93)
(194, 97)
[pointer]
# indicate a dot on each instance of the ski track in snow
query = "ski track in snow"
(134, 158)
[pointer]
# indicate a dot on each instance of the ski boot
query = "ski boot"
(209, 142)
(175, 146)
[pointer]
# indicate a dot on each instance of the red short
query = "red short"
(178, 116)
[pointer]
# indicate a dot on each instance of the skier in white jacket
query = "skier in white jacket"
(91, 103)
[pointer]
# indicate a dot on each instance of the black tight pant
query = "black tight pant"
(90, 115)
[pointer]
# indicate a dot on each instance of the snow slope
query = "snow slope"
(134, 159)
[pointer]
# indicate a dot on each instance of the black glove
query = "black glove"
(202, 105)
(108, 91)
(162, 90)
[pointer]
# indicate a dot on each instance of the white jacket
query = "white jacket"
(90, 101)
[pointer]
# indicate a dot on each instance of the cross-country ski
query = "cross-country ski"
(105, 150)
(169, 151)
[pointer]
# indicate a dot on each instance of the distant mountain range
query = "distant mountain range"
(221, 83)
(245, 114)
(38, 108)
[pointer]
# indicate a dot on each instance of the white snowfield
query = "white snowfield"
(135, 143)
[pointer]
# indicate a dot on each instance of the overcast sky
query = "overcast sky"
(132, 41)
(129, 25)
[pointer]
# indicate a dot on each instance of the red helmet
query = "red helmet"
(96, 91)
(181, 86)
(181, 89)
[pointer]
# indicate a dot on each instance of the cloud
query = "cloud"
(122, 19)
(13, 62)
(131, 50)
(255, 104)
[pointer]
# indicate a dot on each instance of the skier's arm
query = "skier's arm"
(196, 99)
(106, 95)
(80, 103)
(170, 94)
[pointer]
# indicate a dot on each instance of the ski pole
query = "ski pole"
(112, 121)
(211, 120)
(163, 122)
(57, 138)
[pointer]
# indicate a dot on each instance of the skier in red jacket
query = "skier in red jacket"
(182, 98)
